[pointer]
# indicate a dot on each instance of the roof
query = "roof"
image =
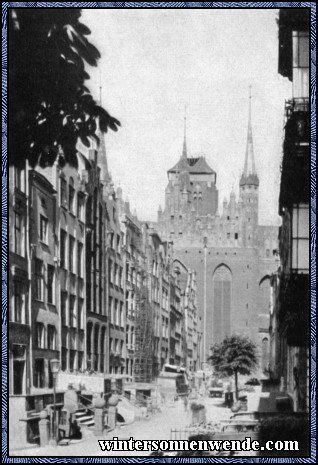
(194, 166)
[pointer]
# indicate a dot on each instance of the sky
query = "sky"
(156, 62)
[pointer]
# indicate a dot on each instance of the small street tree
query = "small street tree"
(235, 355)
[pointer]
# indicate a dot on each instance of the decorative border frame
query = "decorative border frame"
(4, 410)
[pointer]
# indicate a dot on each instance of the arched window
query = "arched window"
(222, 287)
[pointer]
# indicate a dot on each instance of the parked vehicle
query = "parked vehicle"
(174, 380)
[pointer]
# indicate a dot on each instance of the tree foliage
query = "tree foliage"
(50, 107)
(235, 355)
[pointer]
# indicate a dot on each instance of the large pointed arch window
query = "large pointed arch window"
(222, 287)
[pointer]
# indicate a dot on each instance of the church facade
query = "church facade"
(232, 254)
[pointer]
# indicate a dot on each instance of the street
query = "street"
(159, 426)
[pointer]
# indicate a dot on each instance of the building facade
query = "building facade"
(290, 333)
(230, 251)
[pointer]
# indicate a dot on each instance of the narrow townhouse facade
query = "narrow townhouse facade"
(96, 219)
(19, 318)
(116, 297)
(45, 319)
(292, 303)
(19, 300)
(134, 276)
(176, 355)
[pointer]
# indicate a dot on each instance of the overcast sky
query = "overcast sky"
(154, 62)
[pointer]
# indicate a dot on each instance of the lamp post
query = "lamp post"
(55, 368)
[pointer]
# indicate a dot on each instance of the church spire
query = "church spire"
(249, 165)
(101, 151)
(249, 175)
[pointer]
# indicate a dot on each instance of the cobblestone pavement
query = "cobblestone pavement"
(159, 426)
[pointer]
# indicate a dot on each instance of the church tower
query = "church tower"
(191, 198)
(249, 184)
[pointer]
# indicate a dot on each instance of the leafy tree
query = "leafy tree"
(50, 107)
(235, 355)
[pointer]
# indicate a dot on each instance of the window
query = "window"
(63, 308)
(18, 178)
(18, 234)
(51, 337)
(121, 277)
(96, 348)
(80, 317)
(80, 206)
(110, 309)
(64, 359)
(121, 314)
(235, 236)
(72, 312)
(222, 283)
(80, 259)
(43, 229)
(300, 64)
(116, 274)
(116, 316)
(111, 240)
(72, 360)
(18, 369)
(102, 349)
(39, 279)
(63, 193)
(40, 335)
(39, 376)
(71, 254)
(63, 249)
(80, 360)
(50, 284)
(71, 196)
(300, 238)
(18, 313)
(110, 271)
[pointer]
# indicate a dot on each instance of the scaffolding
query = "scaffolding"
(143, 359)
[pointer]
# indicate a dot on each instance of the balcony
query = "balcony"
(295, 178)
(294, 309)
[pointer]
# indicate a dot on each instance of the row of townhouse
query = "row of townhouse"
(89, 285)
(290, 309)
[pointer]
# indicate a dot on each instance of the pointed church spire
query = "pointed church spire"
(249, 165)
(184, 150)
(101, 151)
(249, 175)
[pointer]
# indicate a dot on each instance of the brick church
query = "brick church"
(231, 252)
